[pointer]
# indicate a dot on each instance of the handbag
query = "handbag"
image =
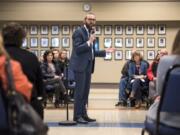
(22, 118)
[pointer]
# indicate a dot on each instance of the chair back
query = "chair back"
(3, 111)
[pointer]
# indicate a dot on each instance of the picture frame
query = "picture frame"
(65, 29)
(33, 30)
(118, 55)
(33, 42)
(141, 52)
(118, 30)
(98, 30)
(129, 30)
(35, 52)
(41, 53)
(55, 29)
(150, 54)
(140, 30)
(108, 56)
(25, 43)
(140, 42)
(151, 29)
(25, 27)
(150, 42)
(65, 42)
(107, 29)
(107, 42)
(129, 43)
(161, 42)
(44, 29)
(162, 29)
(118, 42)
(44, 42)
(128, 54)
(74, 27)
(55, 42)
(96, 45)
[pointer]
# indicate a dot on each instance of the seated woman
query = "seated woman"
(165, 63)
(137, 77)
(51, 76)
(152, 73)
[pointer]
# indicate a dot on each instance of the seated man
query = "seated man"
(123, 85)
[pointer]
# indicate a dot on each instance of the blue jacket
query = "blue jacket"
(132, 69)
(81, 52)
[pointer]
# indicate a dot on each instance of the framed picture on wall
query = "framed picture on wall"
(150, 42)
(65, 42)
(25, 27)
(140, 30)
(129, 42)
(162, 29)
(108, 56)
(25, 43)
(98, 30)
(74, 27)
(35, 52)
(128, 54)
(129, 30)
(118, 42)
(55, 29)
(44, 42)
(44, 30)
(107, 29)
(150, 54)
(107, 42)
(65, 29)
(161, 42)
(33, 42)
(34, 30)
(118, 55)
(151, 29)
(96, 45)
(42, 53)
(118, 30)
(55, 42)
(139, 42)
(141, 52)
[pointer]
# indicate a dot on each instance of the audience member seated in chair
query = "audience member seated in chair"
(137, 78)
(123, 84)
(51, 76)
(151, 73)
(164, 114)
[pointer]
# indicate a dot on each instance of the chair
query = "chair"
(169, 99)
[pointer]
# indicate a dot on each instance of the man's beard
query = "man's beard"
(89, 27)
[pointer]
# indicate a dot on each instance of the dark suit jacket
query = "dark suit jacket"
(82, 53)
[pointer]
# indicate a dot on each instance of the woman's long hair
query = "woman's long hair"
(2, 50)
(176, 44)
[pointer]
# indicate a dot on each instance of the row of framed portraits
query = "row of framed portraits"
(118, 54)
(118, 29)
(45, 29)
(131, 29)
(139, 41)
(44, 42)
(40, 53)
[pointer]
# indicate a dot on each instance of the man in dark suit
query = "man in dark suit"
(82, 63)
